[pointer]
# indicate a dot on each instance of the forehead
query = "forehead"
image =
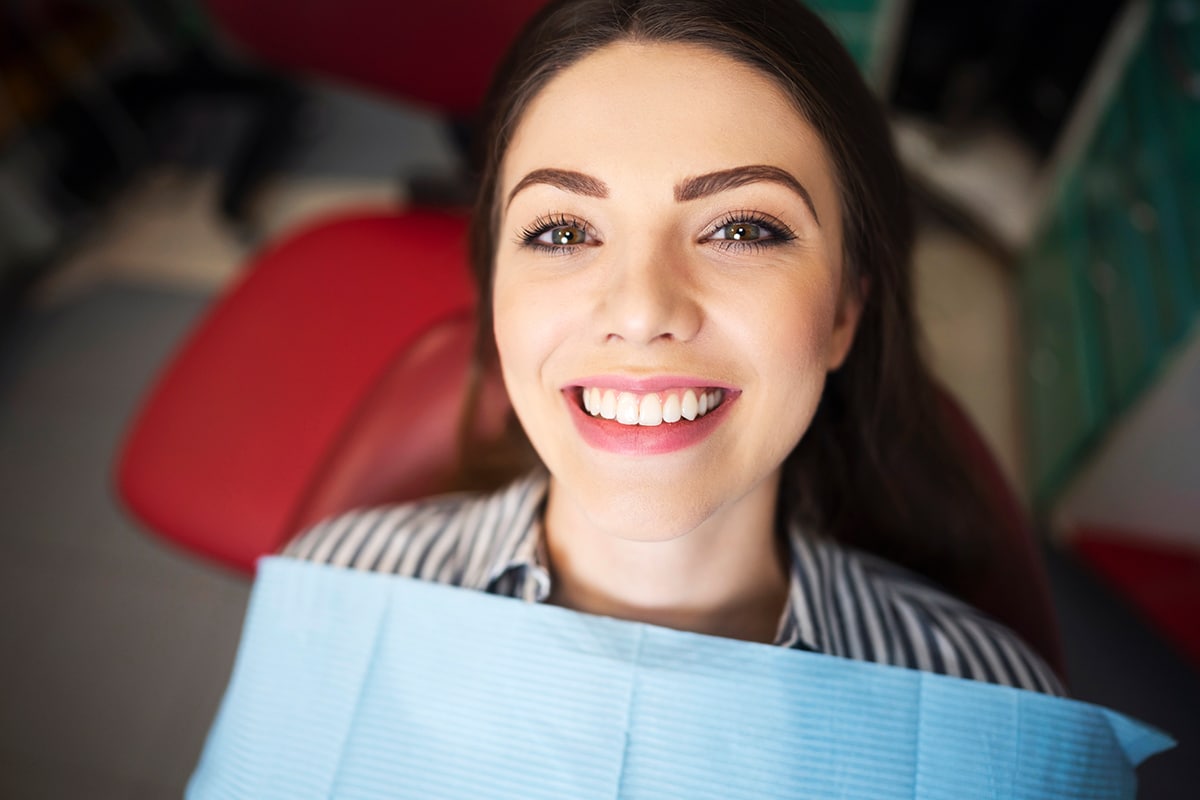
(675, 110)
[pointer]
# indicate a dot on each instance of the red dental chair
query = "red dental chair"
(330, 377)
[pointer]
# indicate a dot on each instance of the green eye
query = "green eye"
(748, 231)
(741, 232)
(564, 235)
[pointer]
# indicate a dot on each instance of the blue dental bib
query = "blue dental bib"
(361, 685)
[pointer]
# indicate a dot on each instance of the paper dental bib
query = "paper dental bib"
(361, 685)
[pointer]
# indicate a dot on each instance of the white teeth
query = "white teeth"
(689, 407)
(670, 409)
(608, 405)
(627, 409)
(650, 411)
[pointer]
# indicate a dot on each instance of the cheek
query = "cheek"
(793, 338)
(503, 320)
(793, 329)
(512, 336)
(528, 326)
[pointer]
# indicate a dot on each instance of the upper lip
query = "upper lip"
(644, 384)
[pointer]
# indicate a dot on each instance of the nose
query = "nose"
(649, 296)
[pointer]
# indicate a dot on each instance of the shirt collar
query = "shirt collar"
(517, 550)
(801, 625)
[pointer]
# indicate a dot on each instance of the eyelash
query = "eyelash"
(529, 236)
(779, 232)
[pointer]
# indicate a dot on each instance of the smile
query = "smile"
(649, 416)
(651, 408)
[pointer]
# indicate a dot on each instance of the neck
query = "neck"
(728, 577)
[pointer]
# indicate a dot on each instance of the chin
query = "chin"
(643, 513)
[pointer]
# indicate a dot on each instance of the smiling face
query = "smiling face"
(667, 292)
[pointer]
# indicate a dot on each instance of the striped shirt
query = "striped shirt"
(841, 601)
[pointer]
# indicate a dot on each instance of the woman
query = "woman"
(692, 244)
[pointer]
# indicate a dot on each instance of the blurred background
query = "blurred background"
(156, 157)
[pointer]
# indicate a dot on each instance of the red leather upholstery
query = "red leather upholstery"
(438, 54)
(263, 421)
(1160, 577)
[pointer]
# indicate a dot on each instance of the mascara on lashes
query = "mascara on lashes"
(778, 232)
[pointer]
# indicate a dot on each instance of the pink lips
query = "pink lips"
(658, 383)
(613, 437)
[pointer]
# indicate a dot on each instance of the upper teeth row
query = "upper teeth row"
(628, 408)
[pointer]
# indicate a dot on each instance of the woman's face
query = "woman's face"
(667, 284)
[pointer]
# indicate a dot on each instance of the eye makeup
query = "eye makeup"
(748, 230)
(743, 230)
(567, 233)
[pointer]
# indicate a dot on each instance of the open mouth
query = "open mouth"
(649, 409)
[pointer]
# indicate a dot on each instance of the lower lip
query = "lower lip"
(644, 440)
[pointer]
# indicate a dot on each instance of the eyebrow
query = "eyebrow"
(693, 188)
(723, 180)
(565, 179)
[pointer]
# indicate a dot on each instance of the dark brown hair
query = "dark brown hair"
(875, 469)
